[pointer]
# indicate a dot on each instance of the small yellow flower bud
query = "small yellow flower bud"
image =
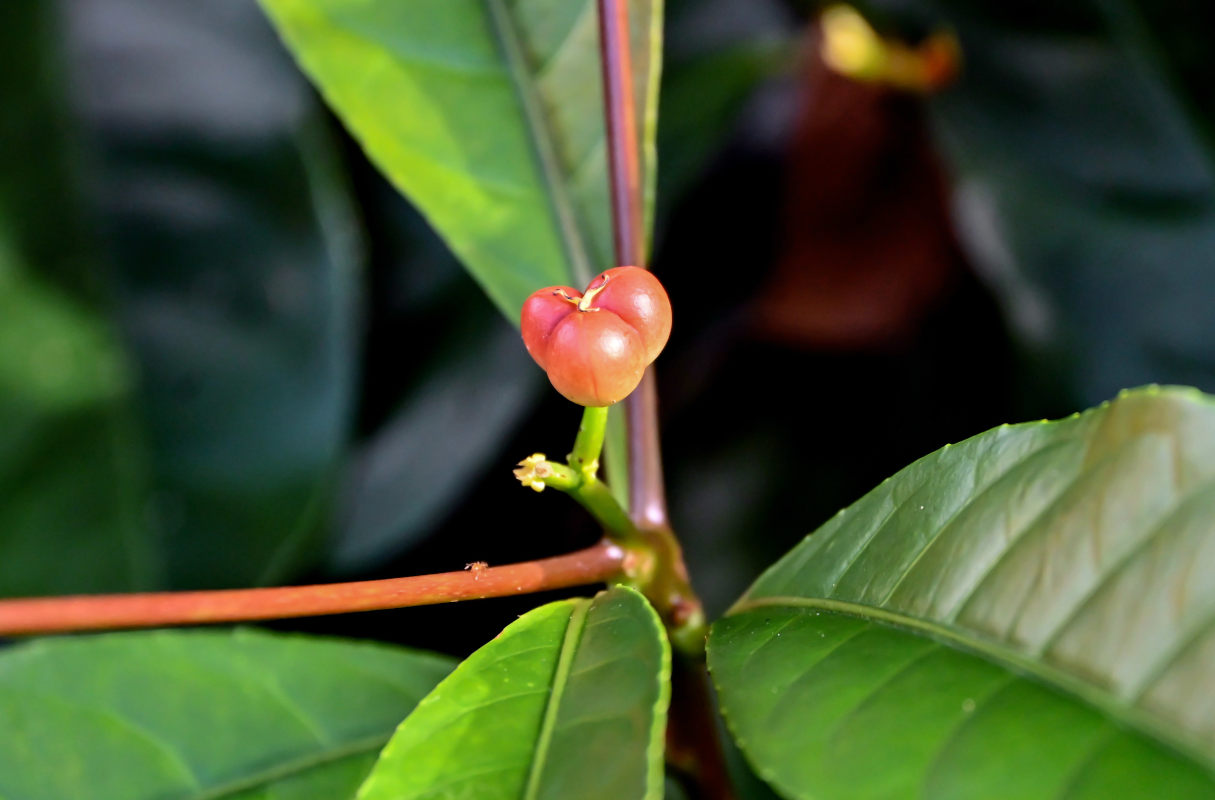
(533, 470)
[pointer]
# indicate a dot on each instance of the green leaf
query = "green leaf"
(199, 447)
(201, 715)
(66, 384)
(1030, 613)
(568, 701)
(454, 397)
(40, 202)
(235, 264)
(457, 414)
(488, 115)
(616, 455)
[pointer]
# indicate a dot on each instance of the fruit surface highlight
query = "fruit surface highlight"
(595, 345)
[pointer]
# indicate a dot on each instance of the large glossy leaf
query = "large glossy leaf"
(568, 701)
(203, 456)
(1030, 613)
(200, 715)
(487, 114)
(1086, 194)
(235, 265)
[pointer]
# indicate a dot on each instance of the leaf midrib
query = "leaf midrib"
(561, 675)
(565, 213)
(1003, 656)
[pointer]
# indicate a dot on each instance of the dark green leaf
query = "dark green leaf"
(205, 456)
(430, 450)
(1086, 194)
(72, 516)
(569, 701)
(71, 462)
(236, 266)
(616, 449)
(1028, 613)
(201, 715)
(40, 203)
(488, 116)
(441, 408)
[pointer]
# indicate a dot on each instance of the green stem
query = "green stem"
(589, 442)
(655, 563)
(595, 497)
(590, 492)
(656, 569)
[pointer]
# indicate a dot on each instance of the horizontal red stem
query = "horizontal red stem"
(96, 612)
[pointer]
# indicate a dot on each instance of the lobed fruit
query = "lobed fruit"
(596, 345)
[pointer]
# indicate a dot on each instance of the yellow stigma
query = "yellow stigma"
(585, 303)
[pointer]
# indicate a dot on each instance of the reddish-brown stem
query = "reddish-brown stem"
(647, 496)
(692, 740)
(691, 713)
(624, 160)
(647, 493)
(595, 564)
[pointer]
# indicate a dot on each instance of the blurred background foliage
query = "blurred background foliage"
(231, 354)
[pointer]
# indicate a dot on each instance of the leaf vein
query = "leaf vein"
(1014, 466)
(1026, 532)
(1072, 779)
(959, 729)
(550, 60)
(864, 702)
(1161, 666)
(1155, 533)
(810, 669)
(564, 212)
(569, 647)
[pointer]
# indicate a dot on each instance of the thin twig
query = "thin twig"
(624, 160)
(691, 710)
(647, 492)
(647, 496)
(595, 564)
(693, 746)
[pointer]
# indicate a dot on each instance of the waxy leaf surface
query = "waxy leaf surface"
(488, 115)
(235, 268)
(568, 701)
(244, 714)
(1030, 613)
(176, 321)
